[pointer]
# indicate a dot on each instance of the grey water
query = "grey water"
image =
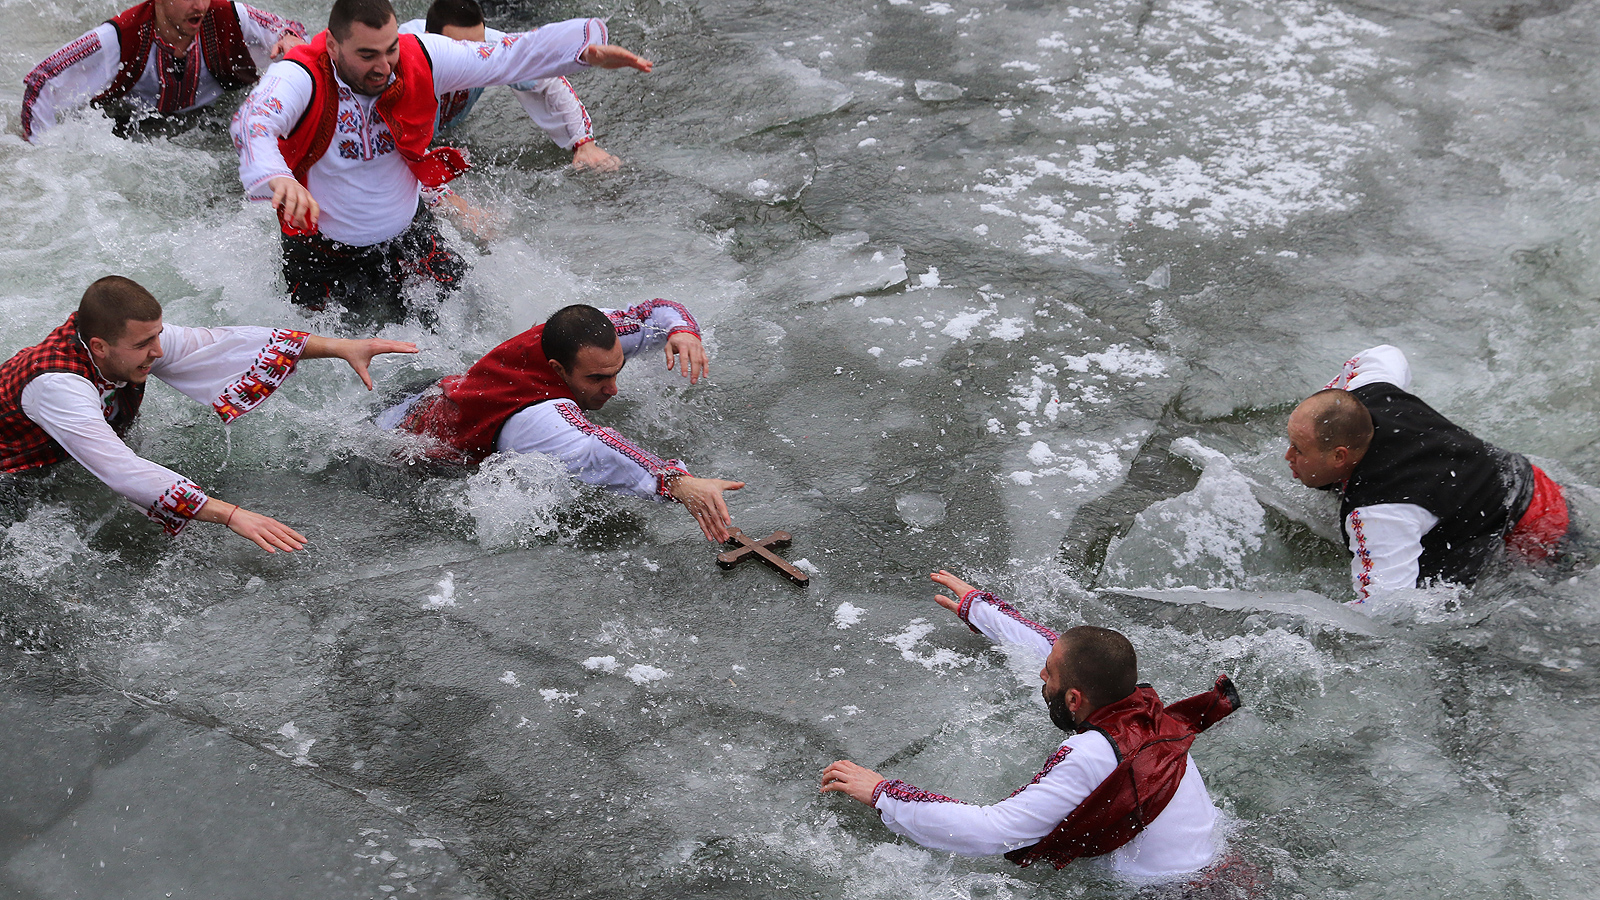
(1025, 290)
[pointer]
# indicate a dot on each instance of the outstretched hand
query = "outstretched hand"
(359, 354)
(950, 581)
(590, 156)
(264, 531)
(685, 351)
(854, 781)
(610, 56)
(702, 497)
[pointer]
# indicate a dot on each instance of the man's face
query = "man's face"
(1311, 465)
(1059, 699)
(366, 59)
(183, 15)
(593, 379)
(474, 33)
(129, 357)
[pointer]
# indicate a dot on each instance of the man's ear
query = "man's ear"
(99, 347)
(561, 371)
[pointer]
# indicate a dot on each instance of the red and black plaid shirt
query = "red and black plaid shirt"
(23, 444)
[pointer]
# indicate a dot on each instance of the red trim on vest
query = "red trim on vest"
(1152, 746)
(464, 413)
(1542, 527)
(23, 444)
(222, 46)
(407, 106)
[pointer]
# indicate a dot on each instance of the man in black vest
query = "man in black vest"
(1421, 499)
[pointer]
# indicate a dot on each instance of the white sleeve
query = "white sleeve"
(262, 29)
(646, 326)
(1383, 363)
(270, 112)
(69, 78)
(232, 369)
(519, 56)
(1020, 820)
(68, 408)
(1385, 544)
(998, 620)
(594, 455)
(554, 106)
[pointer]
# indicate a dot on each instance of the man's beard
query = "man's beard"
(1059, 714)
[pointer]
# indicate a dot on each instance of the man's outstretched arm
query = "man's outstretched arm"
(603, 457)
(992, 617)
(559, 48)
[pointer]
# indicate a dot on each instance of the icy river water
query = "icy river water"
(1022, 289)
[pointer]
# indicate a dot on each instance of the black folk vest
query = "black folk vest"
(1417, 456)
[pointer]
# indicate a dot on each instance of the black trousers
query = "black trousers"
(368, 281)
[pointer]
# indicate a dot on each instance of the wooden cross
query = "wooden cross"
(762, 550)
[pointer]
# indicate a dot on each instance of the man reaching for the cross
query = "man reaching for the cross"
(530, 393)
(1122, 786)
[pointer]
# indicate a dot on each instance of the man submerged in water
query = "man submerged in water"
(162, 57)
(77, 393)
(1123, 786)
(1420, 499)
(529, 395)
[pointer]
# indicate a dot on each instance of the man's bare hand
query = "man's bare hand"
(703, 498)
(286, 42)
(294, 203)
(590, 156)
(268, 533)
(359, 354)
(610, 56)
(855, 782)
(685, 351)
(953, 583)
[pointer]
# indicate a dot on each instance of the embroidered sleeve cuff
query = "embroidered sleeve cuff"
(965, 609)
(877, 791)
(673, 469)
(272, 366)
(594, 32)
(581, 141)
(177, 505)
(908, 793)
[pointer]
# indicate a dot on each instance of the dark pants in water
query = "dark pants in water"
(367, 281)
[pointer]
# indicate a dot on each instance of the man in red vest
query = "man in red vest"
(163, 58)
(77, 393)
(337, 136)
(1122, 787)
(529, 395)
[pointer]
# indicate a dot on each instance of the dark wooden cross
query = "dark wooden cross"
(762, 550)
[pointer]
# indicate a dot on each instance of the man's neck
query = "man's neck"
(171, 36)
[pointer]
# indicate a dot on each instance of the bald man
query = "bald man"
(1421, 499)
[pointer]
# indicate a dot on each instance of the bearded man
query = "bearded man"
(337, 136)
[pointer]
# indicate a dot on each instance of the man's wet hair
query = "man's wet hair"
(1101, 663)
(1339, 419)
(109, 303)
(455, 13)
(572, 328)
(371, 13)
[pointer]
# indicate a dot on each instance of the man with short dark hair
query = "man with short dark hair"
(551, 103)
(161, 58)
(1421, 499)
(77, 393)
(1123, 786)
(337, 136)
(529, 395)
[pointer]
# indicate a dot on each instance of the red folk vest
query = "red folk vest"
(464, 413)
(408, 106)
(1152, 747)
(221, 45)
(23, 444)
